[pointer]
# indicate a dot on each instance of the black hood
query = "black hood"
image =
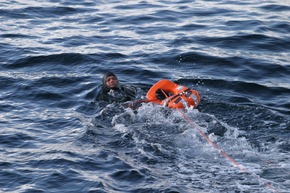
(106, 75)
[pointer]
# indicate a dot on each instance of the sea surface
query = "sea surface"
(54, 138)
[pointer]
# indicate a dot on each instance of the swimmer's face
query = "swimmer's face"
(112, 81)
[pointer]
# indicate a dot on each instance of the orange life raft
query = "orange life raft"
(177, 96)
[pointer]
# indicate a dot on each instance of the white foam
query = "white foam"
(121, 128)
(194, 157)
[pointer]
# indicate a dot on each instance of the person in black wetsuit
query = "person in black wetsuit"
(112, 91)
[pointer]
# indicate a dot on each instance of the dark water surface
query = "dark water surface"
(54, 139)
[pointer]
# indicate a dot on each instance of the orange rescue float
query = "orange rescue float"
(175, 96)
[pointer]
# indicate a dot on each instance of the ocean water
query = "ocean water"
(53, 54)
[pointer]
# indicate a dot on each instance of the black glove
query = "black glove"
(160, 94)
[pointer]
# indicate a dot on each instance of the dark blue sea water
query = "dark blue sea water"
(236, 54)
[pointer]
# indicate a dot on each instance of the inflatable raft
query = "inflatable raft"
(172, 95)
